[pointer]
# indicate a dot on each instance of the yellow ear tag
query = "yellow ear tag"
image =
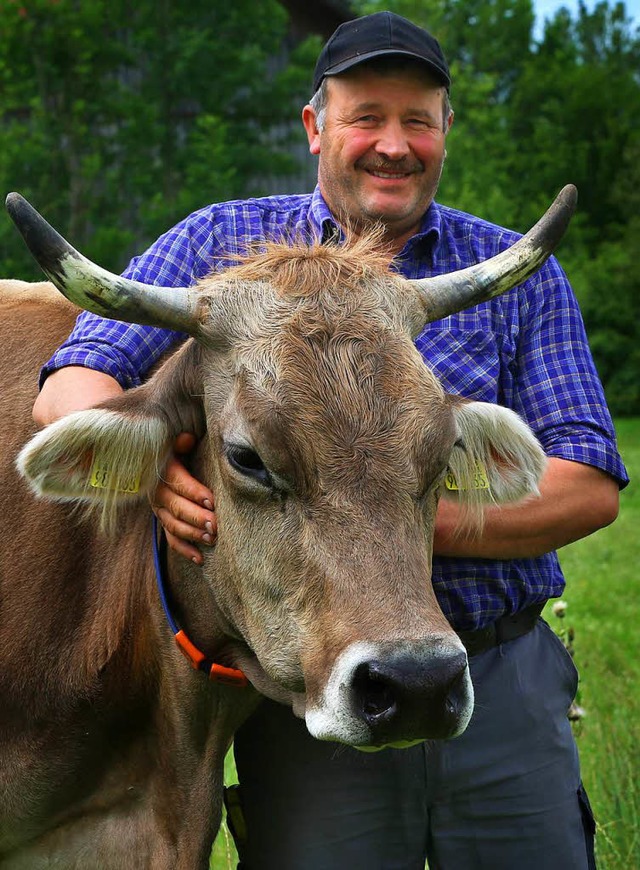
(102, 477)
(480, 480)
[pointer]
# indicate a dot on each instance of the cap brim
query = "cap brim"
(439, 73)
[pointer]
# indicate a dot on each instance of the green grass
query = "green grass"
(224, 855)
(603, 597)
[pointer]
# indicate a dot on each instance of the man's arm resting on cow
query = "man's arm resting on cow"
(575, 500)
(183, 505)
(73, 388)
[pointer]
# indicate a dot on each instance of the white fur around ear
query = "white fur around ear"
(102, 457)
(496, 443)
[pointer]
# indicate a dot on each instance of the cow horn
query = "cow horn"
(446, 294)
(95, 289)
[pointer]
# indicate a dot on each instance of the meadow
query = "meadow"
(603, 598)
(603, 617)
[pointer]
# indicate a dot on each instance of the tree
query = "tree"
(119, 118)
(574, 112)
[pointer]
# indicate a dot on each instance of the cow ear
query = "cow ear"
(101, 455)
(497, 457)
(113, 454)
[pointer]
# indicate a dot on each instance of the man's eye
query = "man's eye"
(247, 462)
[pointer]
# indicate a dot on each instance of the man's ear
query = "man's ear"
(310, 125)
(449, 122)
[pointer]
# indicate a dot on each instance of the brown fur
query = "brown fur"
(303, 270)
(99, 768)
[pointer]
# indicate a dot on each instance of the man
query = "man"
(507, 792)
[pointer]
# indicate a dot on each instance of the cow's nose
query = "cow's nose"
(405, 696)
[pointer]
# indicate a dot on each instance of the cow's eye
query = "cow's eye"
(248, 462)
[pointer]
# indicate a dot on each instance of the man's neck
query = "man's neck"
(387, 242)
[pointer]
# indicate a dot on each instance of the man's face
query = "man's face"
(382, 147)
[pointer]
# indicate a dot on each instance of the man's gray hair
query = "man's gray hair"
(318, 101)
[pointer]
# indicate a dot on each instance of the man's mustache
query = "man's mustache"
(403, 166)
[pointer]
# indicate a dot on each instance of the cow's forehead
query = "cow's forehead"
(350, 397)
(320, 348)
(342, 348)
(319, 284)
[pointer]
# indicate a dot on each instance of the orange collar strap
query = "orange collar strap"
(197, 659)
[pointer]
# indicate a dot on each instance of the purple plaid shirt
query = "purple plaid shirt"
(526, 350)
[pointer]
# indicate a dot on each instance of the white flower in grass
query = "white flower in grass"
(559, 608)
(576, 712)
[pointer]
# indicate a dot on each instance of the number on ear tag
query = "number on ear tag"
(480, 480)
(102, 477)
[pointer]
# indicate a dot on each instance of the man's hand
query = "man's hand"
(185, 506)
(182, 504)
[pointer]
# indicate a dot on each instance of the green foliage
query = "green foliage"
(604, 609)
(117, 119)
(608, 288)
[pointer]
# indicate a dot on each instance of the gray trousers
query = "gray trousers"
(504, 795)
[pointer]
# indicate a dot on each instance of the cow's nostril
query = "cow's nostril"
(405, 695)
(374, 693)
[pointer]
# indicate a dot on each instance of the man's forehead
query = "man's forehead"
(363, 86)
(427, 108)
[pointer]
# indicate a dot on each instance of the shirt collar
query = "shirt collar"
(430, 225)
(327, 227)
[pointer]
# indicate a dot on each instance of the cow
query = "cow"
(328, 443)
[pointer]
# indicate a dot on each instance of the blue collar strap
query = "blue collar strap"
(197, 659)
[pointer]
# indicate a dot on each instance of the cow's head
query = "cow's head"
(326, 441)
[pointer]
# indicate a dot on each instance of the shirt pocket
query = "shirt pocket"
(466, 361)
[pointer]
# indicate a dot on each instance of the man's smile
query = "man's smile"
(378, 173)
(391, 173)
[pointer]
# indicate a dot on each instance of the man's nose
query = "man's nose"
(392, 142)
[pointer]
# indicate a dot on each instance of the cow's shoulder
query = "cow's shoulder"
(15, 294)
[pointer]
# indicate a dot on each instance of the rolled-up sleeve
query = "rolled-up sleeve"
(557, 389)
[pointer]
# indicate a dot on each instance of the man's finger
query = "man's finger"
(184, 443)
(184, 549)
(184, 518)
(185, 530)
(177, 478)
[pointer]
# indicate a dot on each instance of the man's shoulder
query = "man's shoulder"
(261, 209)
(462, 225)
(465, 239)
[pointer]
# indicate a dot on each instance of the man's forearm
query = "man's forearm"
(73, 388)
(575, 500)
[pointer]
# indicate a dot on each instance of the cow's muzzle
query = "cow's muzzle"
(392, 694)
(397, 698)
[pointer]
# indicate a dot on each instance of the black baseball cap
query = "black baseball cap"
(375, 35)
